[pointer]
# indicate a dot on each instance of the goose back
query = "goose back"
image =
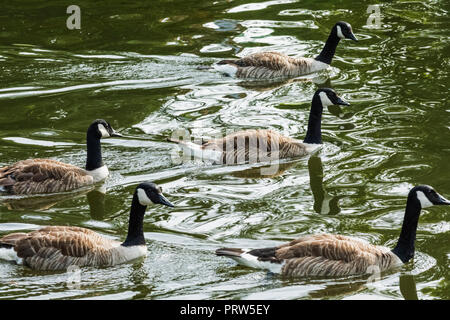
(321, 255)
(273, 65)
(256, 146)
(332, 255)
(58, 247)
(34, 176)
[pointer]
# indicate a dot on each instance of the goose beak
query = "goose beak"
(442, 201)
(352, 37)
(163, 200)
(116, 134)
(342, 102)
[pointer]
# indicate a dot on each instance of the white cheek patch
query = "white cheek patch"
(143, 198)
(424, 202)
(325, 100)
(103, 131)
(339, 32)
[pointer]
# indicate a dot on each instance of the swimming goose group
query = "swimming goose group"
(59, 247)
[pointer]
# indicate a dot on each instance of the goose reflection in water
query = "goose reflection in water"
(272, 170)
(95, 197)
(323, 202)
(266, 85)
(357, 290)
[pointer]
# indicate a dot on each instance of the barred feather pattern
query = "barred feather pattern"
(35, 176)
(273, 65)
(252, 146)
(333, 255)
(58, 247)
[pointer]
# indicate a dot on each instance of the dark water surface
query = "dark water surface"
(136, 65)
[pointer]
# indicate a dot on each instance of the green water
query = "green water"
(136, 66)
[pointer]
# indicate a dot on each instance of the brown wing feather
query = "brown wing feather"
(256, 146)
(331, 255)
(270, 65)
(269, 60)
(35, 176)
(58, 247)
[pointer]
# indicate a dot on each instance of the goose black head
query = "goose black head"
(427, 196)
(148, 193)
(329, 97)
(103, 129)
(344, 31)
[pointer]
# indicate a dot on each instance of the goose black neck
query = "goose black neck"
(94, 151)
(327, 53)
(135, 235)
(405, 245)
(314, 132)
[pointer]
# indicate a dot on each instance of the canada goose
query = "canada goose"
(58, 247)
(273, 65)
(337, 255)
(34, 176)
(263, 145)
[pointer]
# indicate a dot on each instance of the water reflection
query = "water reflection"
(266, 85)
(323, 202)
(95, 198)
(96, 201)
(41, 202)
(408, 287)
(266, 171)
(357, 288)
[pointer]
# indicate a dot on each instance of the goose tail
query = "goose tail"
(198, 151)
(258, 259)
(229, 252)
(227, 67)
(7, 247)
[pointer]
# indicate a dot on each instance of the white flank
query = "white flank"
(397, 262)
(424, 202)
(125, 254)
(143, 198)
(99, 174)
(226, 68)
(312, 147)
(317, 65)
(103, 131)
(9, 254)
(339, 32)
(251, 261)
(196, 150)
(325, 100)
